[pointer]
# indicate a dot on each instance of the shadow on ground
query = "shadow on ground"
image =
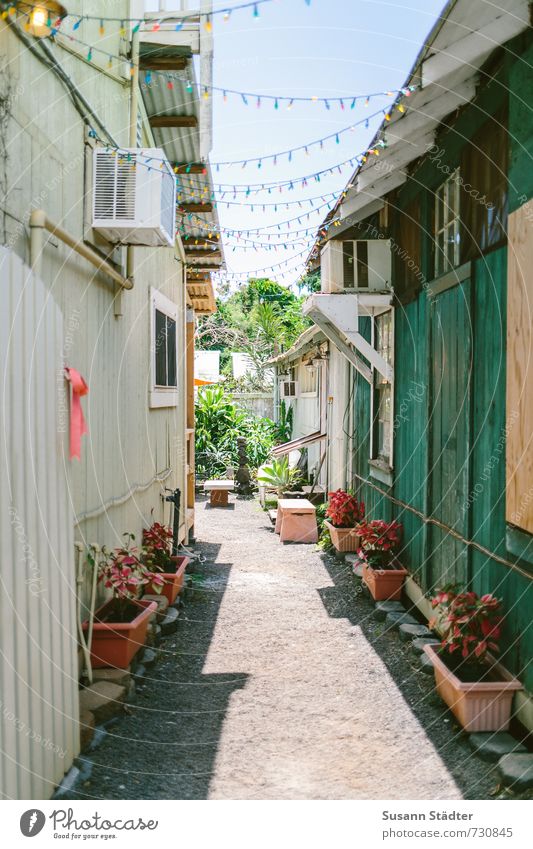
(165, 746)
(348, 599)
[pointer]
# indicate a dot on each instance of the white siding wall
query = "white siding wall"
(307, 417)
(128, 444)
(338, 420)
(38, 658)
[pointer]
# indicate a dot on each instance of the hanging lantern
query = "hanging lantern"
(43, 17)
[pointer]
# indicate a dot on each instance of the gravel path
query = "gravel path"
(279, 684)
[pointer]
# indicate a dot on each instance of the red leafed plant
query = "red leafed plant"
(471, 624)
(379, 542)
(123, 572)
(157, 540)
(344, 510)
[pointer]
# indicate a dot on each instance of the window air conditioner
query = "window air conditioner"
(362, 265)
(134, 196)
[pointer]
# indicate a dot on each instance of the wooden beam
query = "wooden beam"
(190, 388)
(203, 250)
(173, 121)
(204, 255)
(162, 63)
(189, 167)
(192, 243)
(195, 207)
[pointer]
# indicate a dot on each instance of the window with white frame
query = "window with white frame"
(382, 394)
(308, 379)
(164, 366)
(447, 234)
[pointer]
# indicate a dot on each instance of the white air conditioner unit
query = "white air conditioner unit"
(134, 196)
(362, 265)
(288, 389)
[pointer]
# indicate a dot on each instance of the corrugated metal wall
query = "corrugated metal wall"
(38, 660)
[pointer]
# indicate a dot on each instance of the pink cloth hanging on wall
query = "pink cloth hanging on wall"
(78, 425)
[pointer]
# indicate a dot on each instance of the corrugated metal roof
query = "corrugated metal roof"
(166, 93)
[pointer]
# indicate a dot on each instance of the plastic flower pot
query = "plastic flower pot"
(173, 580)
(344, 539)
(116, 643)
(384, 584)
(481, 705)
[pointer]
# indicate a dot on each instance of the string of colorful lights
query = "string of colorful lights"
(203, 90)
(291, 238)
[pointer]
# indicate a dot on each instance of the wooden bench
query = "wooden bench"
(296, 520)
(219, 491)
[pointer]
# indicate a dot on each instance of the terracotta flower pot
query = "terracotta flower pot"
(481, 705)
(117, 643)
(344, 539)
(384, 584)
(173, 580)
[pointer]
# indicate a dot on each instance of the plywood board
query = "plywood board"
(519, 462)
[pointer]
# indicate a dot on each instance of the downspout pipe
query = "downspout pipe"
(134, 111)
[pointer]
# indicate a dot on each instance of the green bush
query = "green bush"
(219, 423)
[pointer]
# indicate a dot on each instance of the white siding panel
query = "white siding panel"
(38, 675)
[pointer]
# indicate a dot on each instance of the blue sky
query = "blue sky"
(335, 48)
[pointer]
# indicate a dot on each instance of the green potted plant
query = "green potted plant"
(344, 513)
(478, 690)
(382, 573)
(161, 564)
(120, 625)
(279, 476)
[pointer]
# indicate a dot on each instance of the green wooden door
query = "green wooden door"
(449, 426)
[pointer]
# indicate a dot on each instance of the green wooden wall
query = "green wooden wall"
(449, 418)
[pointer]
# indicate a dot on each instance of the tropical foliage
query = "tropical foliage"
(219, 422)
(344, 510)
(470, 624)
(279, 475)
(261, 319)
(124, 572)
(157, 541)
(379, 542)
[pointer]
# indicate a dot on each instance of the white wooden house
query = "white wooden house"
(311, 378)
(122, 315)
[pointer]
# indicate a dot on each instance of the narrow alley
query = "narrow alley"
(280, 684)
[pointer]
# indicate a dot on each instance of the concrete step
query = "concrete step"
(383, 608)
(103, 699)
(394, 619)
(494, 745)
(517, 771)
(170, 622)
(411, 632)
(418, 644)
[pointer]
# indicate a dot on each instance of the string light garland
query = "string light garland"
(255, 188)
(155, 24)
(290, 239)
(248, 97)
(204, 91)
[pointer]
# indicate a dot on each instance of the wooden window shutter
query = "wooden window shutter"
(484, 191)
(407, 251)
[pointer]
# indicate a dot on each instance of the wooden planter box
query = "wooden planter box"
(481, 705)
(384, 584)
(116, 643)
(344, 539)
(173, 580)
